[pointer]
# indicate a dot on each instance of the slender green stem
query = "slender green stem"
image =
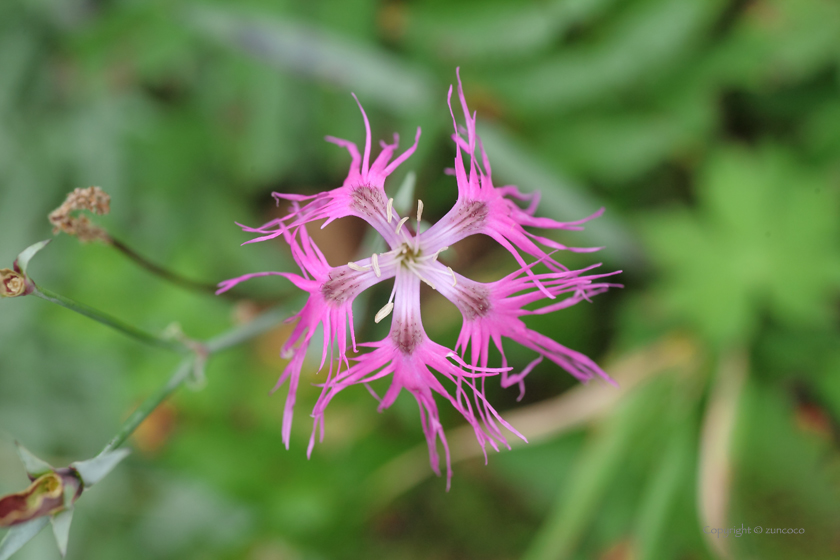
(158, 270)
(150, 404)
(113, 322)
(183, 281)
(249, 330)
(234, 336)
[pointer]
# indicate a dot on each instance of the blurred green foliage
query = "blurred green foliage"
(709, 130)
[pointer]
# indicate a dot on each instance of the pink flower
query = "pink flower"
(482, 208)
(491, 311)
(362, 194)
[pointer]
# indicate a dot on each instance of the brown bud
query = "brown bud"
(48, 494)
(12, 283)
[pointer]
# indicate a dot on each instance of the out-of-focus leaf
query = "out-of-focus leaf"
(268, 147)
(670, 476)
(780, 41)
(595, 468)
(315, 54)
(19, 535)
(766, 237)
(26, 255)
(501, 30)
(822, 131)
(650, 38)
(18, 51)
(33, 465)
(783, 477)
(61, 529)
(94, 470)
(616, 145)
(560, 199)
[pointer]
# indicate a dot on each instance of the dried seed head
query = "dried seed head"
(92, 199)
(12, 284)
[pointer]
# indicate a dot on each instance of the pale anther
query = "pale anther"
(390, 209)
(374, 259)
(419, 209)
(400, 224)
(358, 268)
(439, 251)
(384, 312)
(454, 279)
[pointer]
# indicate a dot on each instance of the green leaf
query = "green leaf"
(295, 47)
(22, 261)
(780, 41)
(34, 466)
(649, 39)
(784, 476)
(765, 237)
(501, 30)
(61, 529)
(94, 470)
(19, 535)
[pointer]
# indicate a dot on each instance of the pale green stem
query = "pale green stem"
(113, 322)
(150, 404)
(226, 340)
(255, 327)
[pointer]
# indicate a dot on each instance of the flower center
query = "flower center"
(408, 257)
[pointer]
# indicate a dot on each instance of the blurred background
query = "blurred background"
(710, 132)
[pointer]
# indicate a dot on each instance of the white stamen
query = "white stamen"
(400, 224)
(384, 312)
(358, 268)
(390, 209)
(375, 260)
(432, 286)
(454, 279)
(420, 276)
(433, 257)
(419, 210)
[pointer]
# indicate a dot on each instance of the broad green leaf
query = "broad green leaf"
(501, 30)
(779, 41)
(650, 38)
(765, 237)
(617, 144)
(318, 55)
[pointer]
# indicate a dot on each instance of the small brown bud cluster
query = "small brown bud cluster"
(92, 199)
(12, 284)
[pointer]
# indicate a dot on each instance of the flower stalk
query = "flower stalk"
(54, 492)
(111, 321)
